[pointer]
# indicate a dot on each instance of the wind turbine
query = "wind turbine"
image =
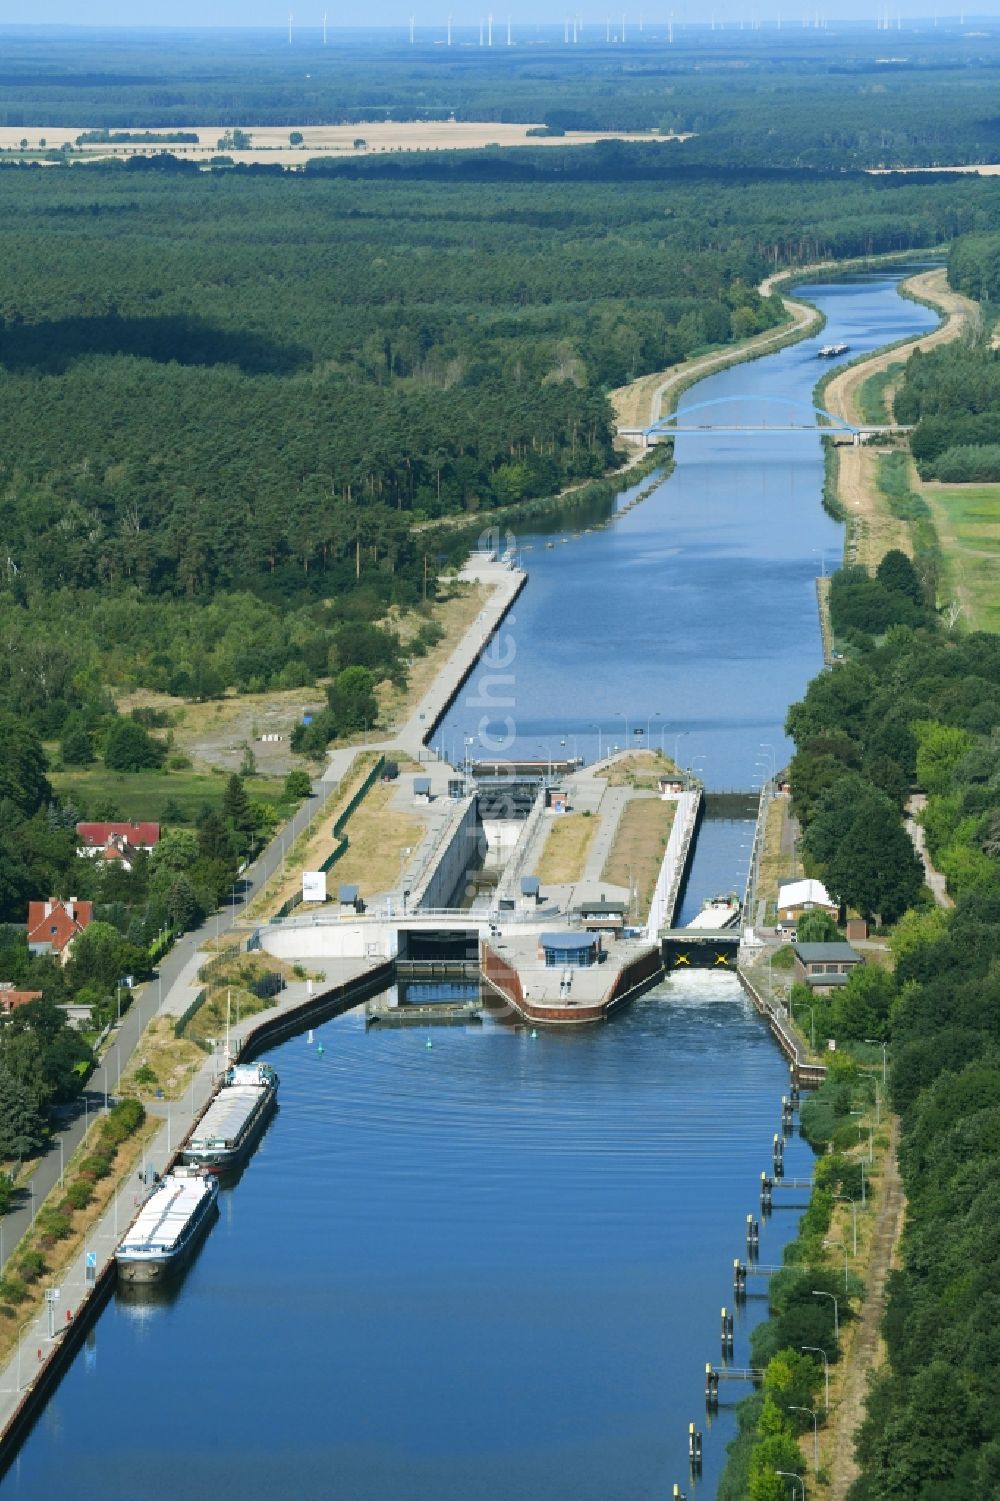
(489, 29)
(324, 28)
(413, 22)
(508, 31)
(449, 28)
(290, 18)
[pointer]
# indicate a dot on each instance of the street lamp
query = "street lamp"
(836, 1312)
(840, 1245)
(812, 1413)
(595, 726)
(790, 1475)
(677, 739)
(815, 1350)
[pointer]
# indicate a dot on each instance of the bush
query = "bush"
(53, 1224)
(12, 1290)
(130, 748)
(31, 1266)
(298, 784)
(79, 1193)
(145, 1075)
(96, 1166)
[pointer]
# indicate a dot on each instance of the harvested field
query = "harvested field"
(271, 143)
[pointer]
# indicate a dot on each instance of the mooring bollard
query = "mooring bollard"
(779, 1156)
(753, 1235)
(727, 1331)
(711, 1387)
(766, 1188)
(678, 1494)
(694, 1447)
(739, 1280)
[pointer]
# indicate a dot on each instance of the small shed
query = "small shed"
(602, 916)
(422, 790)
(530, 893)
(824, 967)
(558, 800)
(349, 899)
(569, 950)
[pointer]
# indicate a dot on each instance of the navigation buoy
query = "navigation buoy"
(533, 1032)
(320, 1050)
(428, 1043)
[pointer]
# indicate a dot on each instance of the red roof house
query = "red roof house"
(53, 924)
(116, 841)
(10, 998)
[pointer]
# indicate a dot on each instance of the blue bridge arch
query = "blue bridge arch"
(677, 420)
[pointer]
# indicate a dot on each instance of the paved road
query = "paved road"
(149, 998)
(171, 987)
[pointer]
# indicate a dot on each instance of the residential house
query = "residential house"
(55, 923)
(10, 998)
(116, 841)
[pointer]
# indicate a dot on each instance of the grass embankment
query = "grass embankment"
(773, 1434)
(639, 769)
(452, 613)
(145, 795)
(967, 521)
(104, 1160)
(637, 850)
(874, 398)
(779, 859)
(377, 831)
(853, 490)
(564, 853)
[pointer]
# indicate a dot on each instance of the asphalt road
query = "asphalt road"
(125, 1038)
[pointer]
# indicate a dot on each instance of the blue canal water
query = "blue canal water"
(693, 618)
(493, 1267)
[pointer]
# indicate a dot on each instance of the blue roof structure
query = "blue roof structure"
(569, 941)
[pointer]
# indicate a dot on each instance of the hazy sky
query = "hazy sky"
(432, 12)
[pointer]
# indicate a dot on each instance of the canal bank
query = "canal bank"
(433, 1216)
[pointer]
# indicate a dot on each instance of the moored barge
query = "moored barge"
(235, 1119)
(168, 1227)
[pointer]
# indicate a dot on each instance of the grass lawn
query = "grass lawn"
(143, 794)
(564, 853)
(967, 518)
(640, 839)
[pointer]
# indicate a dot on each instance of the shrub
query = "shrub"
(12, 1290)
(53, 1224)
(31, 1266)
(79, 1193)
(145, 1075)
(96, 1166)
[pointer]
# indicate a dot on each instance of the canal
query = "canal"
(493, 1267)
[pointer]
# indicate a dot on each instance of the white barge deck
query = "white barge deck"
(232, 1123)
(168, 1226)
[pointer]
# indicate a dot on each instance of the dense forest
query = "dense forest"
(827, 98)
(952, 393)
(228, 397)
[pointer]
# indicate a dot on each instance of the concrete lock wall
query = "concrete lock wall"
(457, 855)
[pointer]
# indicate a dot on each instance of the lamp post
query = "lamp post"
(790, 1475)
(815, 1350)
(600, 743)
(847, 1199)
(836, 1312)
(677, 739)
(812, 1413)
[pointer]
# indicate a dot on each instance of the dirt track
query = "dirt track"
(879, 530)
(866, 1350)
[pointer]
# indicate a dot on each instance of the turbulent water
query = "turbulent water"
(493, 1267)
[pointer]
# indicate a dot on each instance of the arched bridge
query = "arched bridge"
(793, 417)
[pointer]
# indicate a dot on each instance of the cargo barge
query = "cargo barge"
(168, 1227)
(233, 1123)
